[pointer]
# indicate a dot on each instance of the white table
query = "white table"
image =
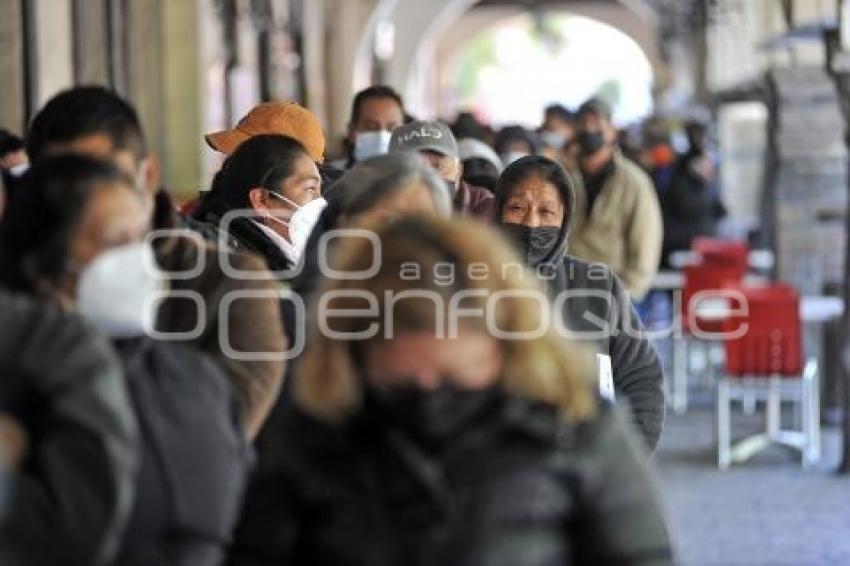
(813, 308)
(669, 280)
(757, 259)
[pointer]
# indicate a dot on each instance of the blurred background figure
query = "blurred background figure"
(466, 125)
(481, 164)
(401, 447)
(617, 217)
(513, 142)
(13, 159)
(692, 203)
(557, 132)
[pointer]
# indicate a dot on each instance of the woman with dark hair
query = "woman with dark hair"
(75, 238)
(534, 206)
(405, 443)
(265, 199)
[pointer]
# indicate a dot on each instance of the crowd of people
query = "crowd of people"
(426, 351)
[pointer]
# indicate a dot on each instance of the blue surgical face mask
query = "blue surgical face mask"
(370, 144)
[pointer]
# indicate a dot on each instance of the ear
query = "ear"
(152, 174)
(257, 197)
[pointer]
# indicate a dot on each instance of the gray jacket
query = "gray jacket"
(73, 493)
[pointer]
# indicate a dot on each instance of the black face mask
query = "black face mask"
(431, 418)
(591, 142)
(535, 244)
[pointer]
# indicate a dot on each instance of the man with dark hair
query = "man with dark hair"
(94, 121)
(617, 216)
(375, 112)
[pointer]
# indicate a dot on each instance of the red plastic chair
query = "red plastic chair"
(731, 253)
(764, 357)
(699, 279)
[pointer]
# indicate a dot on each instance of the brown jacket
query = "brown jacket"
(253, 324)
(624, 229)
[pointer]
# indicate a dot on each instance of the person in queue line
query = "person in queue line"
(382, 188)
(68, 438)
(376, 112)
(481, 165)
(97, 122)
(281, 118)
(13, 160)
(535, 203)
(692, 203)
(87, 253)
(408, 443)
(617, 218)
(557, 132)
(274, 180)
(435, 142)
(513, 142)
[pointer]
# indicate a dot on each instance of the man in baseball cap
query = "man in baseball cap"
(435, 142)
(282, 118)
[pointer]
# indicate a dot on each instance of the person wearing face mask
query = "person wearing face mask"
(375, 112)
(513, 142)
(435, 143)
(535, 201)
(617, 218)
(94, 121)
(557, 133)
(88, 254)
(404, 445)
(266, 199)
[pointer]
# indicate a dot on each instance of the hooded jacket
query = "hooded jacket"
(597, 310)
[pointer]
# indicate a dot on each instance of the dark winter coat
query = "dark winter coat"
(522, 488)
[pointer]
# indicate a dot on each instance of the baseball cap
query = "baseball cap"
(596, 106)
(423, 135)
(282, 118)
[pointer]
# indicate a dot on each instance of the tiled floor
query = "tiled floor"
(768, 511)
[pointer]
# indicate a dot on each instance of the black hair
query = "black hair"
(40, 219)
(261, 161)
(560, 112)
(480, 172)
(535, 166)
(373, 92)
(84, 111)
(513, 133)
(9, 143)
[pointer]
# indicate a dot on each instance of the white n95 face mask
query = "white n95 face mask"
(120, 291)
(370, 144)
(301, 222)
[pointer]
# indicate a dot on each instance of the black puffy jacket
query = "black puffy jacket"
(523, 488)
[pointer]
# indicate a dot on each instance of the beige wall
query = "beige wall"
(11, 67)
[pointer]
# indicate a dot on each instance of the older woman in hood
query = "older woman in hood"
(534, 205)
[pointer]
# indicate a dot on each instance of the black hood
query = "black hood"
(568, 195)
